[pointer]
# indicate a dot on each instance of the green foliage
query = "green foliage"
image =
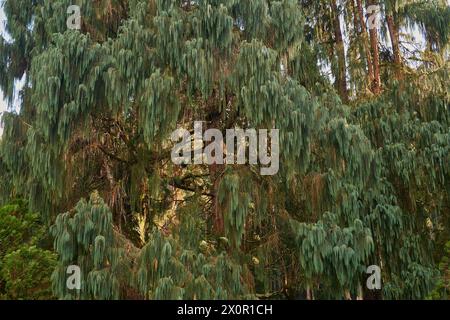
(163, 268)
(442, 290)
(167, 271)
(433, 19)
(25, 267)
(85, 238)
(26, 273)
(18, 226)
(360, 184)
(339, 254)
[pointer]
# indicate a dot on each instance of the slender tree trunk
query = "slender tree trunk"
(215, 172)
(365, 38)
(341, 79)
(308, 293)
(360, 293)
(376, 84)
(348, 295)
(355, 17)
(394, 35)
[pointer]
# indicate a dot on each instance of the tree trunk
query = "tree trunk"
(215, 171)
(341, 77)
(360, 293)
(365, 38)
(394, 35)
(347, 294)
(376, 84)
(308, 293)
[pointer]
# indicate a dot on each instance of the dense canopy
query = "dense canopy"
(364, 123)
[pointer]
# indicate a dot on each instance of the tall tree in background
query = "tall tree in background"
(373, 31)
(341, 77)
(363, 178)
(392, 22)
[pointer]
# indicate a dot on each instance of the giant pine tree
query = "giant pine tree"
(364, 151)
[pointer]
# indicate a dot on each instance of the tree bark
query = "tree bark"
(376, 84)
(341, 77)
(394, 35)
(360, 293)
(365, 38)
(215, 172)
(348, 295)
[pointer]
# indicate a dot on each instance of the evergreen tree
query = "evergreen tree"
(363, 179)
(25, 264)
